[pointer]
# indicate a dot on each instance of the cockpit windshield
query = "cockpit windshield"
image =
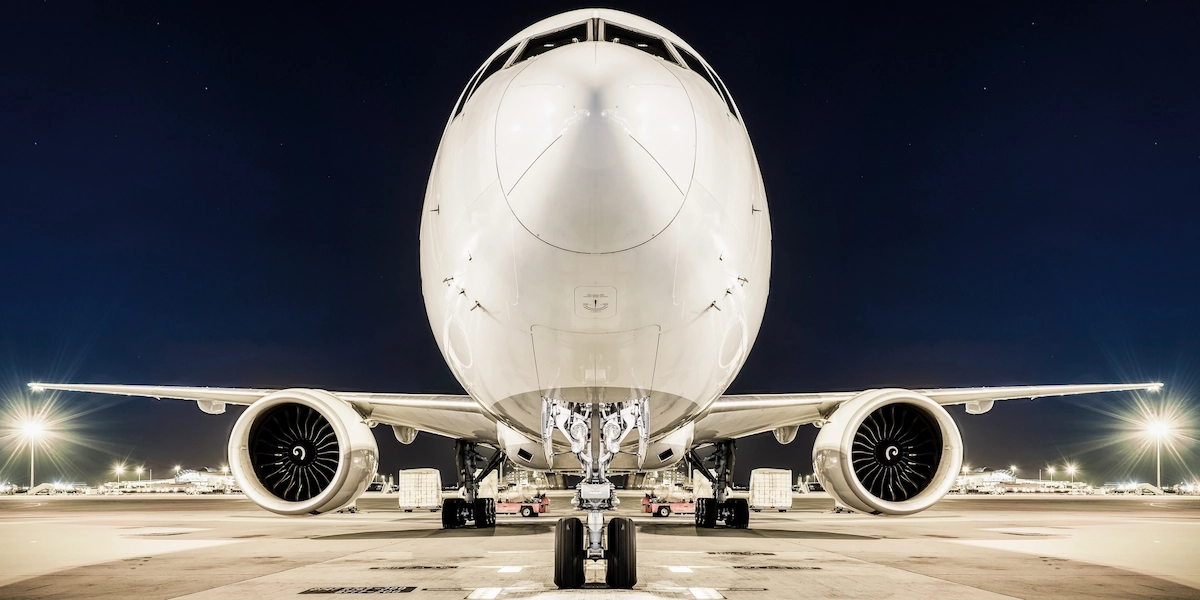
(694, 64)
(491, 68)
(641, 41)
(555, 39)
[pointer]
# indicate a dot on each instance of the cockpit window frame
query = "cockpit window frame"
(520, 56)
(708, 74)
(602, 36)
(483, 74)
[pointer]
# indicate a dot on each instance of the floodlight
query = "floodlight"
(32, 429)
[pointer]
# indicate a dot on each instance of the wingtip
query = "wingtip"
(37, 387)
(1155, 387)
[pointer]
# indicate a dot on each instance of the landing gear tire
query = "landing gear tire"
(737, 513)
(568, 553)
(663, 511)
(527, 511)
(622, 554)
(485, 513)
(706, 513)
(452, 513)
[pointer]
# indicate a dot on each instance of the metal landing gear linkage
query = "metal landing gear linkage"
(482, 511)
(595, 431)
(735, 512)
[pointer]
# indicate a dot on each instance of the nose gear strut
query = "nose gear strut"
(595, 431)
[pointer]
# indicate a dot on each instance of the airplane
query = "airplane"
(595, 254)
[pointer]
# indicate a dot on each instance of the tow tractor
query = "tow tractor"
(525, 509)
(661, 508)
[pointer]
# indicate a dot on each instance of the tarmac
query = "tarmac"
(1013, 546)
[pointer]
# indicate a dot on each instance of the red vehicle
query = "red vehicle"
(664, 509)
(525, 509)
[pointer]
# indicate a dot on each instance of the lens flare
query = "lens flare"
(1138, 426)
(53, 428)
(32, 429)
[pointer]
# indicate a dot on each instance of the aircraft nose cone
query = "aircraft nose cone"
(595, 146)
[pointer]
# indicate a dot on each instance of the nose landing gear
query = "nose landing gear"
(595, 431)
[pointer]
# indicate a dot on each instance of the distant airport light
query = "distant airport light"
(1051, 470)
(45, 424)
(118, 470)
(1159, 429)
(32, 429)
(1159, 425)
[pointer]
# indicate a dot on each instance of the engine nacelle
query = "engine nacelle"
(300, 452)
(888, 452)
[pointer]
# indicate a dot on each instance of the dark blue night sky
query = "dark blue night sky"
(962, 194)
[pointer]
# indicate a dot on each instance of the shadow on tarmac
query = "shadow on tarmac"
(683, 529)
(466, 532)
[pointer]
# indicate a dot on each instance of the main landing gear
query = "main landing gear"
(735, 512)
(481, 511)
(595, 430)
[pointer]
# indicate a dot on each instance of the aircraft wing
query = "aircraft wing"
(731, 417)
(455, 416)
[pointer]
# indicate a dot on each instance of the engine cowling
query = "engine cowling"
(888, 452)
(299, 451)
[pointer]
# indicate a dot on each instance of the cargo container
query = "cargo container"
(770, 489)
(701, 487)
(420, 489)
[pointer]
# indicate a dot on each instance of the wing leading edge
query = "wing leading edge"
(732, 417)
(453, 416)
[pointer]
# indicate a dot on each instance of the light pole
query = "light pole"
(119, 469)
(139, 473)
(1013, 468)
(1051, 470)
(1158, 430)
(32, 430)
(1071, 470)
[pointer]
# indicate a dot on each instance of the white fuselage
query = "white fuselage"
(595, 229)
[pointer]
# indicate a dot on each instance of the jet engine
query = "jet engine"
(298, 452)
(888, 452)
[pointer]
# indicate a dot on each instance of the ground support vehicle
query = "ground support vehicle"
(665, 509)
(525, 509)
